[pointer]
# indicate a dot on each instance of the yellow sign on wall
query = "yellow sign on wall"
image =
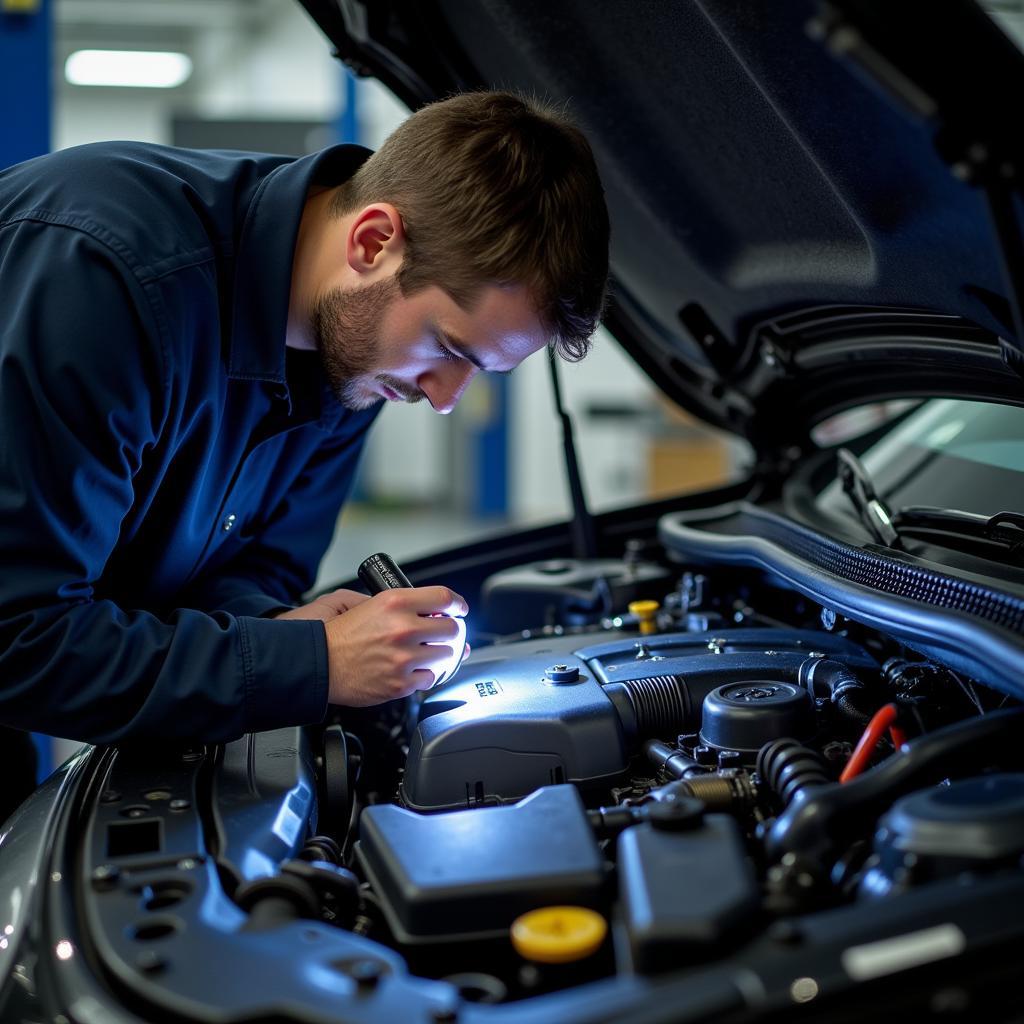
(20, 6)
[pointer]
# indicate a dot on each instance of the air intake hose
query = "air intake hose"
(657, 706)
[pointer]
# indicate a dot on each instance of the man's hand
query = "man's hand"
(327, 607)
(388, 645)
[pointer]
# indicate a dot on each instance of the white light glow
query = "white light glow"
(447, 668)
(64, 950)
(141, 69)
(8, 929)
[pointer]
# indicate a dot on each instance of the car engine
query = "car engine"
(646, 774)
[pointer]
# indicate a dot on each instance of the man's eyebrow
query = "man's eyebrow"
(459, 346)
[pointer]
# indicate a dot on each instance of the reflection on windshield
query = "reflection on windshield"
(948, 454)
(977, 431)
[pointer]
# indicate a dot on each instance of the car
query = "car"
(734, 756)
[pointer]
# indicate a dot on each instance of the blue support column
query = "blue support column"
(25, 114)
(490, 455)
(25, 73)
(348, 119)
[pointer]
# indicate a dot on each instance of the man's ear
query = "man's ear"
(376, 240)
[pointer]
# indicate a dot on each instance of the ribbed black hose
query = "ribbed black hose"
(790, 769)
(830, 816)
(657, 706)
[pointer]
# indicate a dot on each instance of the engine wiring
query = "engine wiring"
(883, 719)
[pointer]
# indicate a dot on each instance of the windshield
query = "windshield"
(948, 453)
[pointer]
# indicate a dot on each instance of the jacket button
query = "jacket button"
(229, 522)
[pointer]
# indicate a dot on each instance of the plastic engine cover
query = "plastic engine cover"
(504, 727)
(471, 873)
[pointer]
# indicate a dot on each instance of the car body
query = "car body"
(812, 211)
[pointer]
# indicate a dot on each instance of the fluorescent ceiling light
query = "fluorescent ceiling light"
(147, 69)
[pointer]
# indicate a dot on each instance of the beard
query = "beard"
(345, 325)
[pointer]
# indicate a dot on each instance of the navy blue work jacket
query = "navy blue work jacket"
(170, 473)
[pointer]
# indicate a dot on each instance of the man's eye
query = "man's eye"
(447, 354)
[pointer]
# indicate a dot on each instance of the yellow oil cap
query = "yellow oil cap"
(558, 935)
(645, 611)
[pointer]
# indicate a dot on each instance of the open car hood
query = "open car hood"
(801, 195)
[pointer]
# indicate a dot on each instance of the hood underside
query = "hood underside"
(792, 231)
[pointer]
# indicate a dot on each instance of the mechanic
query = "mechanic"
(193, 346)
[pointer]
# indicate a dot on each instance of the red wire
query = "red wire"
(882, 720)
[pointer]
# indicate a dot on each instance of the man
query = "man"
(192, 347)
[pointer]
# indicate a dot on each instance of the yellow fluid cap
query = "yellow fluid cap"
(645, 611)
(558, 935)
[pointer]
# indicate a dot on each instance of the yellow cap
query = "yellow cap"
(558, 935)
(645, 611)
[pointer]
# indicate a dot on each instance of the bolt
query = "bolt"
(179, 805)
(105, 877)
(365, 973)
(803, 990)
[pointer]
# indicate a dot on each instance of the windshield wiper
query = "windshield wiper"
(871, 510)
(1004, 530)
(1001, 534)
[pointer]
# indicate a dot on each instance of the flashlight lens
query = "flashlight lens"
(446, 669)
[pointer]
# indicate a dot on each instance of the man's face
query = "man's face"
(377, 344)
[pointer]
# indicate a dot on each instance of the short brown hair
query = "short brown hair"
(519, 179)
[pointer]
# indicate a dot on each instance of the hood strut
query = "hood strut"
(584, 543)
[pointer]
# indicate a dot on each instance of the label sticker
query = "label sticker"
(877, 959)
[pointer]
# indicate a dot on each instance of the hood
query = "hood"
(812, 205)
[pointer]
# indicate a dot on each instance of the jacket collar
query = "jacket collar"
(263, 268)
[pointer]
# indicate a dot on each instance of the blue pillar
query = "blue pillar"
(25, 105)
(25, 71)
(348, 119)
(490, 454)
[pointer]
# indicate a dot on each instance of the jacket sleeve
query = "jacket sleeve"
(84, 391)
(279, 563)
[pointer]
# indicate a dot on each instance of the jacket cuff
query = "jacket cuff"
(285, 667)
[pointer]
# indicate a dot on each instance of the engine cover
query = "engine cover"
(505, 727)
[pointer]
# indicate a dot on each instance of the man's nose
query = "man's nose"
(444, 387)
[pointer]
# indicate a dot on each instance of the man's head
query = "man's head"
(474, 236)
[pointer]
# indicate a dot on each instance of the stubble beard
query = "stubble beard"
(345, 325)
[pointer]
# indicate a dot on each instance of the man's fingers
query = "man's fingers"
(422, 679)
(433, 630)
(427, 600)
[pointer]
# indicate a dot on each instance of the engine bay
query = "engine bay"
(647, 778)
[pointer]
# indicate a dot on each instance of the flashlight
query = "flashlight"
(379, 573)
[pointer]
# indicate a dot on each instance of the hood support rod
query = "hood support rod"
(584, 543)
